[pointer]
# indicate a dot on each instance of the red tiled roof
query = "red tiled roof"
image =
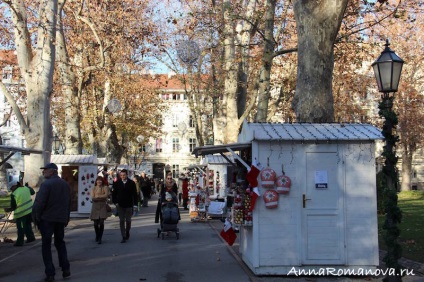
(165, 81)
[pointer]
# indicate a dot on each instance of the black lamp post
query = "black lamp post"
(56, 144)
(387, 70)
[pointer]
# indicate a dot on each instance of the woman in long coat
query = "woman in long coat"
(99, 196)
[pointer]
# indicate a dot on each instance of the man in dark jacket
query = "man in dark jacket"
(124, 196)
(51, 213)
(146, 188)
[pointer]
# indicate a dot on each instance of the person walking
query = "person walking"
(146, 188)
(139, 194)
(124, 196)
(184, 188)
(99, 196)
(21, 204)
(51, 213)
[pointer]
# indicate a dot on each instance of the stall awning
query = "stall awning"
(215, 149)
(12, 150)
(103, 162)
(194, 166)
(74, 159)
(24, 151)
(217, 160)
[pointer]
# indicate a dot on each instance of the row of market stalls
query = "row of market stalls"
(303, 195)
(80, 171)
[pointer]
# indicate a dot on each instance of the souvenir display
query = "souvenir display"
(271, 199)
(268, 177)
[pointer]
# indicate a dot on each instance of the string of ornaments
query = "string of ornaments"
(274, 185)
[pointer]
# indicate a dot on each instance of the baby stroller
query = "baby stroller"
(169, 220)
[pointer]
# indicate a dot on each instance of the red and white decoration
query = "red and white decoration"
(268, 177)
(283, 184)
(254, 196)
(271, 199)
(228, 233)
(253, 173)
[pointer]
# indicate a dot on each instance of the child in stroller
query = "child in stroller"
(170, 215)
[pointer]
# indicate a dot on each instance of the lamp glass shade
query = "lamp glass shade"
(387, 70)
(56, 143)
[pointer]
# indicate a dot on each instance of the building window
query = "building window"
(7, 73)
(142, 148)
(175, 170)
(191, 121)
(159, 145)
(175, 121)
(175, 145)
(175, 97)
(191, 144)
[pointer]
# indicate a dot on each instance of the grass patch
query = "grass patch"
(412, 226)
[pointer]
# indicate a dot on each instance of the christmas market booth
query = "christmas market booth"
(80, 171)
(308, 199)
(217, 176)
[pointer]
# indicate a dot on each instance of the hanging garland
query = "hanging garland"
(393, 213)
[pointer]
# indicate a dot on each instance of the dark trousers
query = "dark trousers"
(185, 202)
(99, 226)
(145, 201)
(48, 229)
(125, 215)
(23, 225)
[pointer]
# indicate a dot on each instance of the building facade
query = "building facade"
(172, 150)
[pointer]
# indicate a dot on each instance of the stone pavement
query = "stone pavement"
(6, 251)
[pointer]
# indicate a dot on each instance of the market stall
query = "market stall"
(309, 197)
(218, 179)
(80, 171)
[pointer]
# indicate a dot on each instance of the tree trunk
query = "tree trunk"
(265, 73)
(229, 116)
(36, 67)
(72, 141)
(318, 23)
(406, 169)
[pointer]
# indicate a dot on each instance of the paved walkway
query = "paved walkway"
(7, 251)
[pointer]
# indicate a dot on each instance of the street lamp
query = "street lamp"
(56, 144)
(387, 70)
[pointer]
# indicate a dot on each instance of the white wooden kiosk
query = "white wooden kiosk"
(217, 170)
(328, 220)
(80, 171)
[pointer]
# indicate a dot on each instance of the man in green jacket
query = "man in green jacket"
(21, 203)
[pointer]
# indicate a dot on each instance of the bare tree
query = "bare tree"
(36, 59)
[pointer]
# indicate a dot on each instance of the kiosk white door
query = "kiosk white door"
(86, 180)
(322, 212)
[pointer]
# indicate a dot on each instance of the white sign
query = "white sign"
(321, 179)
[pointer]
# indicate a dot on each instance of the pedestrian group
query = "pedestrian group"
(51, 208)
